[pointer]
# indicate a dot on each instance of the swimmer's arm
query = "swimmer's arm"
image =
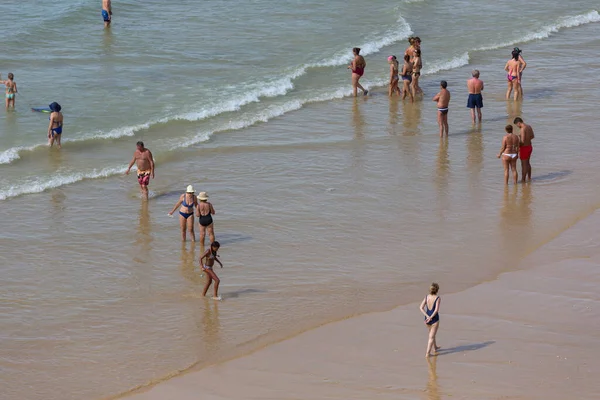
(391, 73)
(219, 261)
(482, 85)
(203, 256)
(15, 88)
(503, 147)
(532, 134)
(151, 158)
(176, 206)
(130, 164)
(506, 66)
(212, 209)
(436, 97)
(422, 307)
(50, 126)
(437, 307)
(523, 63)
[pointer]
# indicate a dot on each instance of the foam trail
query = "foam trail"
(546, 31)
(37, 185)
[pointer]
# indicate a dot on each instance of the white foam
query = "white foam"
(38, 185)
(455, 62)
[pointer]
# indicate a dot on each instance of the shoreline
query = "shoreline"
(484, 345)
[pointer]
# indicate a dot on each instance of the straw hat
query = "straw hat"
(190, 189)
(202, 196)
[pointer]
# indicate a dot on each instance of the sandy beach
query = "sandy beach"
(530, 334)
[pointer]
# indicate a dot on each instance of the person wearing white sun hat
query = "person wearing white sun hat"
(204, 212)
(186, 204)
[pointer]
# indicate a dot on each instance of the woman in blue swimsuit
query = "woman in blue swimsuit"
(186, 204)
(430, 307)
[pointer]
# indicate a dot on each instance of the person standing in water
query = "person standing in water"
(443, 101)
(523, 66)
(11, 89)
(145, 167)
(509, 154)
(514, 68)
(417, 66)
(107, 12)
(430, 307)
(475, 101)
(393, 75)
(187, 202)
(55, 126)
(526, 148)
(357, 66)
(407, 79)
(204, 212)
(211, 256)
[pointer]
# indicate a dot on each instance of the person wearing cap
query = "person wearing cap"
(523, 66)
(56, 124)
(186, 204)
(204, 212)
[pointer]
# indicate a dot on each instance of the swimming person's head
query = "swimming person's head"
(518, 121)
(434, 288)
(356, 51)
(508, 129)
(215, 245)
(11, 76)
(140, 145)
(444, 84)
(475, 73)
(407, 58)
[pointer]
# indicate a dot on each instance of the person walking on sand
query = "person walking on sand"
(211, 256)
(11, 89)
(145, 167)
(186, 203)
(357, 66)
(514, 68)
(475, 101)
(526, 135)
(443, 100)
(55, 126)
(204, 212)
(407, 79)
(509, 154)
(430, 307)
(107, 12)
(394, 67)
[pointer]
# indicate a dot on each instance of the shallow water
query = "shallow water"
(326, 205)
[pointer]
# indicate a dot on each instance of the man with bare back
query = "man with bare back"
(526, 148)
(475, 101)
(142, 157)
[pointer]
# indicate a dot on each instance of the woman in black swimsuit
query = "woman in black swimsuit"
(186, 204)
(204, 213)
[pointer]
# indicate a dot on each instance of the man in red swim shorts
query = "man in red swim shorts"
(145, 167)
(525, 149)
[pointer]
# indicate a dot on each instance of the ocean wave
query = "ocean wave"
(546, 31)
(38, 185)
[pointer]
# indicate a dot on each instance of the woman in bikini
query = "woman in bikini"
(513, 67)
(407, 78)
(204, 212)
(357, 66)
(510, 154)
(430, 307)
(393, 75)
(11, 90)
(186, 204)
(56, 125)
(417, 66)
(207, 261)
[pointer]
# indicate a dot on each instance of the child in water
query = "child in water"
(211, 256)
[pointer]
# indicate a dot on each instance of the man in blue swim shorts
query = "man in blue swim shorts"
(475, 101)
(106, 12)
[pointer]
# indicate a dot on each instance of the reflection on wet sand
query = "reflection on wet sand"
(358, 123)
(432, 389)
(412, 118)
(475, 152)
(188, 265)
(143, 239)
(513, 109)
(515, 222)
(441, 175)
(211, 326)
(393, 117)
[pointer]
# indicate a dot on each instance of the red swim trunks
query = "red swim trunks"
(143, 178)
(525, 152)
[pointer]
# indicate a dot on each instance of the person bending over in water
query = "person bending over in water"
(509, 154)
(107, 12)
(56, 125)
(211, 256)
(475, 101)
(407, 79)
(186, 204)
(525, 147)
(145, 167)
(204, 212)
(430, 307)
(514, 68)
(417, 66)
(357, 66)
(443, 101)
(393, 75)
(11, 89)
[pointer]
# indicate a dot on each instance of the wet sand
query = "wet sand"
(530, 334)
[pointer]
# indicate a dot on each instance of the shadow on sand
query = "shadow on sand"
(466, 347)
(552, 176)
(238, 293)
